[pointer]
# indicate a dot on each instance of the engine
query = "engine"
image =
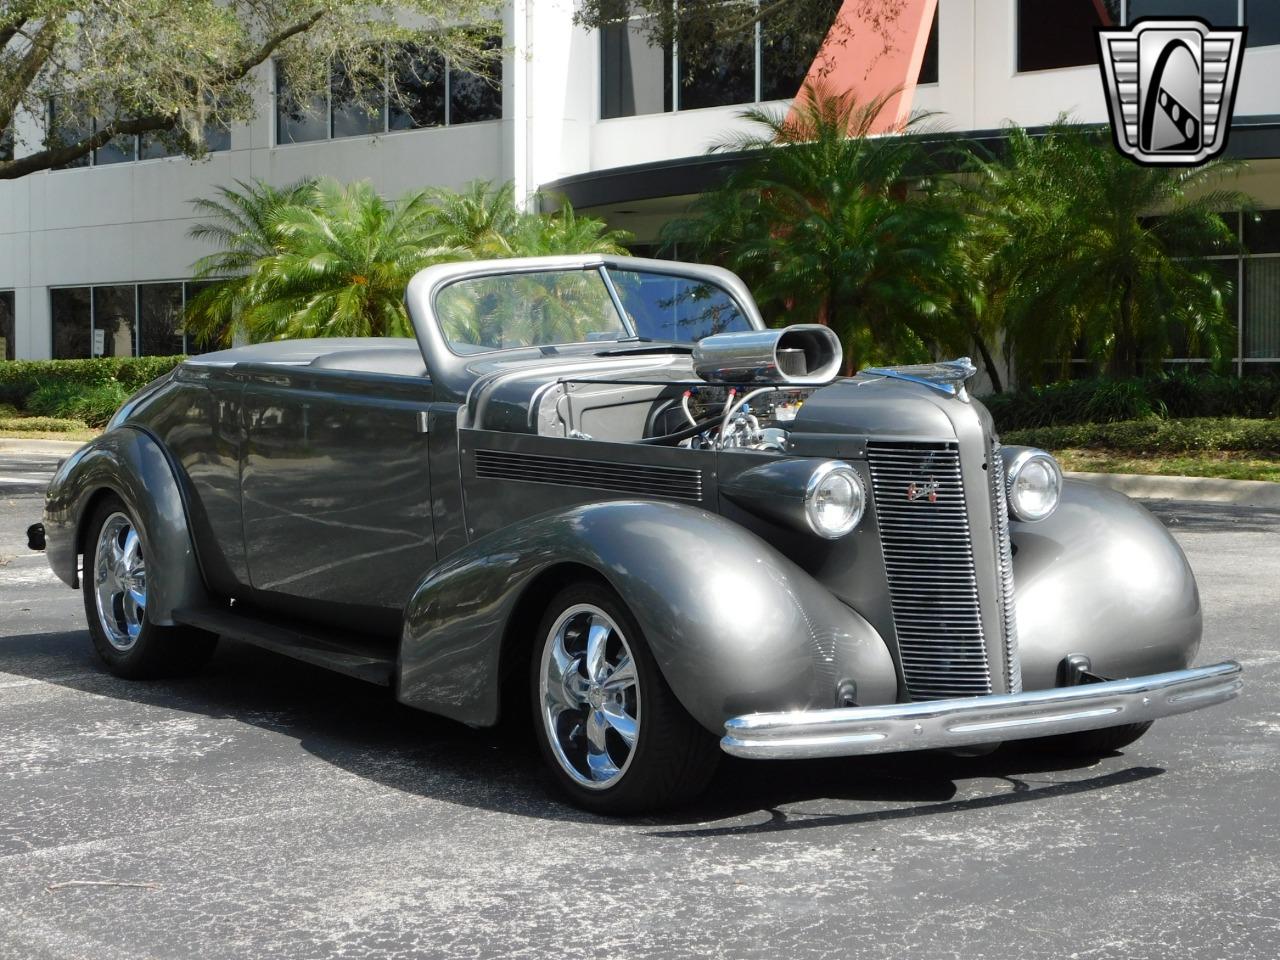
(755, 419)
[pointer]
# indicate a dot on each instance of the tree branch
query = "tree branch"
(13, 87)
(269, 46)
(58, 156)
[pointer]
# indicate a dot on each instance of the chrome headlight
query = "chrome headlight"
(1034, 484)
(834, 500)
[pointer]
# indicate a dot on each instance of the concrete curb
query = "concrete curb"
(46, 448)
(1243, 493)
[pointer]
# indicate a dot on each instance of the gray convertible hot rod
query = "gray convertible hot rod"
(600, 493)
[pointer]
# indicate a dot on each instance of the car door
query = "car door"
(335, 492)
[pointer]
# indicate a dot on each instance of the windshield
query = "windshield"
(664, 307)
(545, 308)
(528, 310)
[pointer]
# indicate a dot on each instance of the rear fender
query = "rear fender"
(734, 626)
(1102, 577)
(131, 464)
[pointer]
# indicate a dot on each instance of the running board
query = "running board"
(362, 657)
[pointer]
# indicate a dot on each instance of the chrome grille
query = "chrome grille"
(675, 483)
(1004, 553)
(928, 558)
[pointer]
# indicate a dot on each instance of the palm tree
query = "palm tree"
(825, 226)
(240, 227)
(479, 218)
(342, 262)
(1075, 244)
(486, 222)
(564, 232)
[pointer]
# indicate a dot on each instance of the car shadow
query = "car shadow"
(360, 729)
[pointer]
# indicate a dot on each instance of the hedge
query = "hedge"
(1156, 436)
(40, 425)
(20, 378)
(1108, 401)
(88, 390)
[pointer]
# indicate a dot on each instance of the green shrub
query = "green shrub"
(7, 410)
(1156, 436)
(92, 403)
(40, 425)
(1178, 395)
(20, 379)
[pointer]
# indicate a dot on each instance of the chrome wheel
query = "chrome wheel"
(590, 696)
(120, 581)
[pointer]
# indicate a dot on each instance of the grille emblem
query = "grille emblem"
(928, 488)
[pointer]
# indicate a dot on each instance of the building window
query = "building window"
(769, 62)
(6, 325)
(147, 146)
(1261, 333)
(1261, 330)
(420, 83)
(717, 72)
(64, 131)
(6, 143)
(122, 320)
(72, 316)
(1220, 13)
(929, 65)
(115, 321)
(635, 77)
(1061, 34)
(475, 97)
(427, 92)
(1263, 20)
(160, 325)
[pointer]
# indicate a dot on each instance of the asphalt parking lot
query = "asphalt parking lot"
(268, 809)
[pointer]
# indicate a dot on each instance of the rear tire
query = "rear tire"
(614, 736)
(114, 583)
(1091, 743)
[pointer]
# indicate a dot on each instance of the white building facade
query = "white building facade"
(95, 260)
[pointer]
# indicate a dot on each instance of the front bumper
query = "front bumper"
(854, 731)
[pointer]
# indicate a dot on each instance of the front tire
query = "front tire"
(612, 732)
(114, 583)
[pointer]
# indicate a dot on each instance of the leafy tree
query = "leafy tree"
(824, 226)
(1072, 243)
(173, 69)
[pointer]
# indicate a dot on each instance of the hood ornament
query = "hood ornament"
(945, 376)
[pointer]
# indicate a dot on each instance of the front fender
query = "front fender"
(1102, 577)
(734, 626)
(131, 464)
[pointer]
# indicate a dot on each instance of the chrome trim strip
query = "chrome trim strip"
(1004, 553)
(970, 721)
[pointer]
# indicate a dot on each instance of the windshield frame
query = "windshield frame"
(454, 373)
